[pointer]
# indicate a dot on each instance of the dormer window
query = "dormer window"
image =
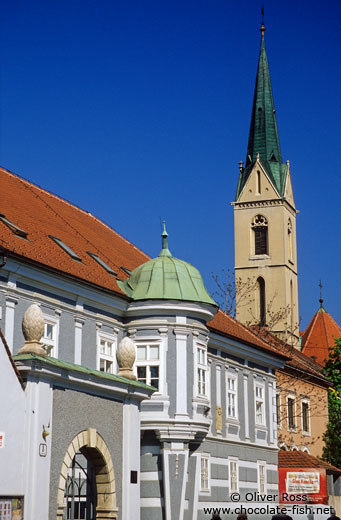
(15, 229)
(65, 248)
(102, 263)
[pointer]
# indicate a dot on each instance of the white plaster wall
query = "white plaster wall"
(131, 461)
(37, 470)
(12, 423)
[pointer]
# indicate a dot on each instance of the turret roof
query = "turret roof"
(320, 335)
(166, 278)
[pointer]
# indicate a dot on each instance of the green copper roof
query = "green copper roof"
(166, 278)
(263, 135)
(82, 369)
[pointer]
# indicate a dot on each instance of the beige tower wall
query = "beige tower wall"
(278, 268)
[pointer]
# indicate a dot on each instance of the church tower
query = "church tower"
(265, 222)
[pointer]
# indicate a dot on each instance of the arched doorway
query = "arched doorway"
(80, 494)
(86, 489)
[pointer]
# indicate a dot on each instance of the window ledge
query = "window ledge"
(306, 434)
(259, 257)
(261, 427)
(292, 430)
(232, 420)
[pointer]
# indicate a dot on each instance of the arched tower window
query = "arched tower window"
(290, 239)
(260, 230)
(292, 324)
(261, 301)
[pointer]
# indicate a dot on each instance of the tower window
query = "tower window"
(290, 240)
(260, 230)
(258, 183)
(261, 301)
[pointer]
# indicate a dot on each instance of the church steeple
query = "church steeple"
(263, 135)
(265, 220)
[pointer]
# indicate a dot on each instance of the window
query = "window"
(148, 364)
(305, 417)
(202, 371)
(232, 410)
(260, 229)
(233, 470)
(15, 229)
(259, 405)
(65, 248)
(290, 240)
(258, 183)
(50, 336)
(107, 354)
(262, 478)
(261, 301)
(102, 263)
(278, 409)
(204, 473)
(291, 413)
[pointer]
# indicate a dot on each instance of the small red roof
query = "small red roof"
(319, 335)
(300, 459)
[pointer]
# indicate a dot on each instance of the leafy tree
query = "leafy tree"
(332, 437)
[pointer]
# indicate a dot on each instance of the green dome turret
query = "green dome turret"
(166, 278)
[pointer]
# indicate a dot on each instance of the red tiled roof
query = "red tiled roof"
(319, 335)
(298, 360)
(223, 323)
(40, 213)
(300, 459)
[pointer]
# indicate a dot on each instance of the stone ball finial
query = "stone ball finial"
(33, 329)
(126, 355)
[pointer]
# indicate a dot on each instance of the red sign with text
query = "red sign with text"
(302, 486)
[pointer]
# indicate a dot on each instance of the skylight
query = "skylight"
(102, 263)
(15, 229)
(66, 248)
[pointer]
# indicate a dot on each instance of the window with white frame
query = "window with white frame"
(148, 363)
(305, 416)
(232, 408)
(262, 478)
(107, 353)
(259, 404)
(233, 475)
(50, 336)
(205, 473)
(202, 371)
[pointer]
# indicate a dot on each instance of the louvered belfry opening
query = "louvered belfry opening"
(260, 229)
(261, 240)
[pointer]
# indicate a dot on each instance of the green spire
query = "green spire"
(164, 251)
(263, 135)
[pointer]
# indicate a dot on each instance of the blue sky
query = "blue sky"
(140, 110)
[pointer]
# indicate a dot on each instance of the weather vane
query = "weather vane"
(321, 299)
(262, 29)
